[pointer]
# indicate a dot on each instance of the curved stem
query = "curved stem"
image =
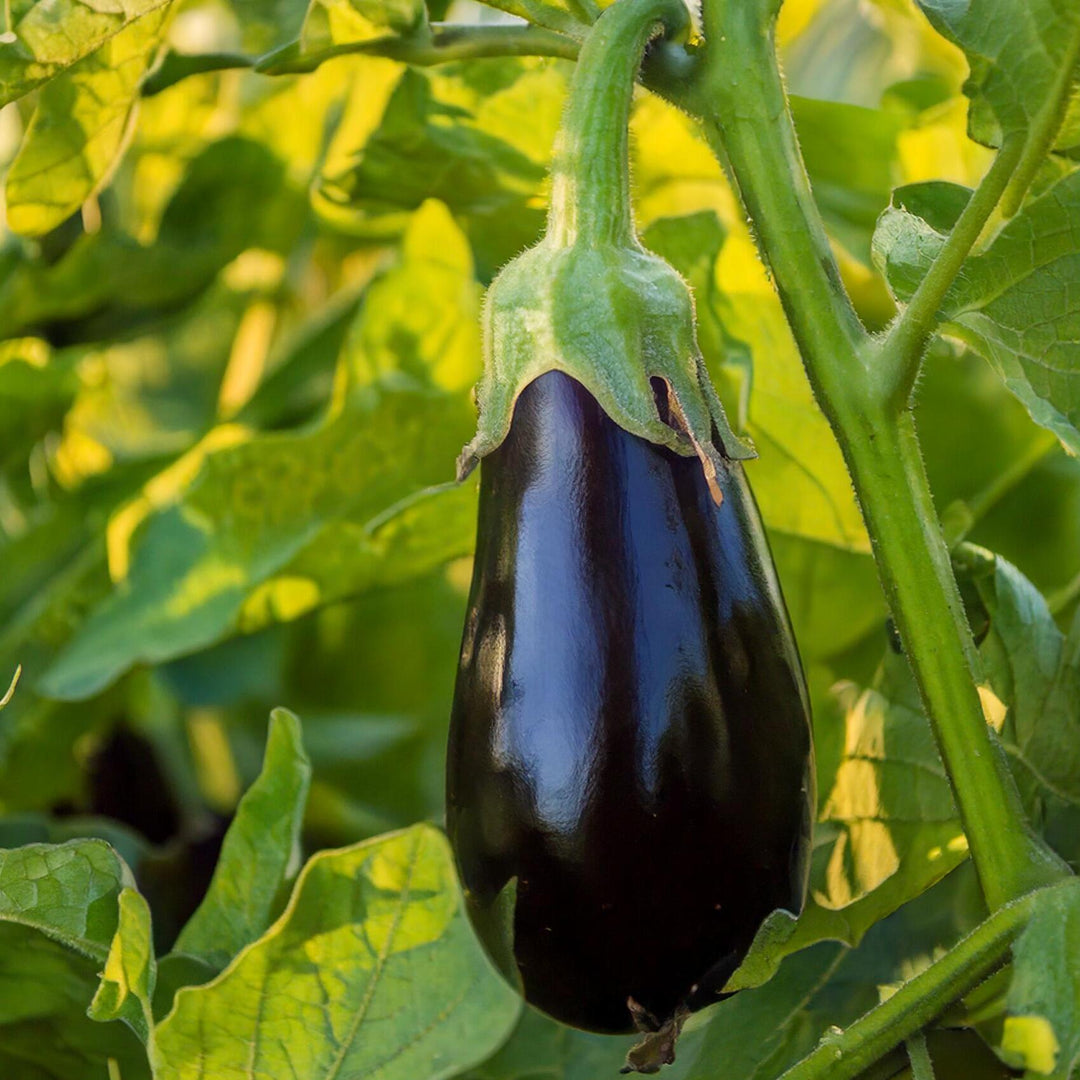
(590, 192)
(6, 699)
(447, 42)
(918, 1001)
(901, 351)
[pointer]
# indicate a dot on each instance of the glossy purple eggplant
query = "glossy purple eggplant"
(630, 776)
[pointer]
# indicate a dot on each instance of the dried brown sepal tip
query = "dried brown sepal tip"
(657, 1048)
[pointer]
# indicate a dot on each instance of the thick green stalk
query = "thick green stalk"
(918, 1001)
(882, 453)
(590, 180)
(741, 99)
(742, 103)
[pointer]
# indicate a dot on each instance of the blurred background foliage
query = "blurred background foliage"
(239, 323)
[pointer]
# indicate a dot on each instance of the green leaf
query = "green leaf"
(1035, 670)
(423, 531)
(265, 24)
(1022, 54)
(541, 1047)
(260, 854)
(127, 983)
(234, 195)
(243, 546)
(51, 35)
(45, 1033)
(82, 124)
(173, 972)
(300, 384)
(759, 1033)
(372, 970)
(981, 449)
(832, 595)
(1014, 303)
(911, 232)
(887, 829)
(59, 917)
(1042, 1025)
(754, 1034)
(36, 390)
(889, 791)
(476, 136)
(68, 892)
(339, 22)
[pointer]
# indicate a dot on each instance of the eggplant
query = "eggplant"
(630, 777)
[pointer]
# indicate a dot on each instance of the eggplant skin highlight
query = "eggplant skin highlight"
(630, 770)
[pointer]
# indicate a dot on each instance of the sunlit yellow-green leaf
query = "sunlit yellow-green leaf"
(51, 35)
(83, 122)
(887, 827)
(486, 139)
(252, 511)
(127, 981)
(372, 971)
(260, 854)
(1042, 1024)
(335, 22)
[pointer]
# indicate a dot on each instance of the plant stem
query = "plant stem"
(177, 66)
(747, 122)
(918, 1001)
(882, 453)
(902, 349)
(922, 1068)
(6, 699)
(590, 179)
(667, 70)
(742, 102)
(1045, 127)
(447, 42)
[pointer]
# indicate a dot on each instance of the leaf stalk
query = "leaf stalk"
(900, 353)
(919, 1001)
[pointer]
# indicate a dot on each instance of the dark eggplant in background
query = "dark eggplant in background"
(630, 776)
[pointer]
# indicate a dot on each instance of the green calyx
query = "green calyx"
(589, 300)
